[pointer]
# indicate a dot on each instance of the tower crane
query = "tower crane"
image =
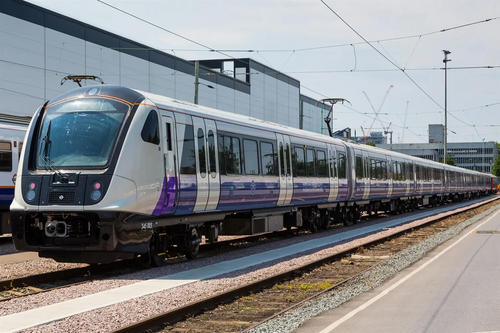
(404, 123)
(386, 131)
(368, 132)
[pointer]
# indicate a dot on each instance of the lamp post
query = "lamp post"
(197, 81)
(445, 60)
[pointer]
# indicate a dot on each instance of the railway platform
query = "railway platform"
(452, 289)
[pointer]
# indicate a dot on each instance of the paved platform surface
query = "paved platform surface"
(455, 288)
(13, 258)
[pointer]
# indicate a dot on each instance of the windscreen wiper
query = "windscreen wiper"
(46, 152)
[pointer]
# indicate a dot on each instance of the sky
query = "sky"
(354, 50)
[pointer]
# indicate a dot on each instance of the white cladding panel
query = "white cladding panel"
(103, 62)
(257, 95)
(225, 99)
(64, 55)
(207, 96)
(36, 59)
(22, 68)
(294, 106)
(134, 72)
(162, 80)
(184, 87)
(242, 103)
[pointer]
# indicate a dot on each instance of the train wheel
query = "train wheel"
(325, 219)
(346, 218)
(193, 240)
(157, 250)
(350, 216)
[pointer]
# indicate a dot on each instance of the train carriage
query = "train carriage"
(111, 173)
(11, 144)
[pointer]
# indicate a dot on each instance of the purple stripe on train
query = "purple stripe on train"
(167, 197)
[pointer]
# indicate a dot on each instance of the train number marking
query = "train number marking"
(148, 225)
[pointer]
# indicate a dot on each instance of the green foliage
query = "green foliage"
(496, 167)
(449, 160)
(370, 143)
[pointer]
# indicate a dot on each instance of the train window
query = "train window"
(268, 159)
(299, 166)
(311, 163)
(333, 164)
(201, 153)
(342, 166)
(322, 171)
(373, 167)
(232, 155)
(287, 154)
(222, 155)
(150, 131)
(5, 156)
(359, 167)
(186, 148)
(169, 137)
(282, 158)
(251, 157)
(409, 171)
(396, 171)
(20, 149)
(211, 154)
(383, 170)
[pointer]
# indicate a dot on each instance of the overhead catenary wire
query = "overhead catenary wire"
(354, 50)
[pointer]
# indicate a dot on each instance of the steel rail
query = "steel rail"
(193, 308)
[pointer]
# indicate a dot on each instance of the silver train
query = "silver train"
(112, 173)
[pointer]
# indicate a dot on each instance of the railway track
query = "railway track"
(243, 308)
(29, 285)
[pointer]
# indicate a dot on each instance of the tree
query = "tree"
(449, 160)
(370, 143)
(496, 167)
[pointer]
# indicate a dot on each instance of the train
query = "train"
(12, 134)
(109, 172)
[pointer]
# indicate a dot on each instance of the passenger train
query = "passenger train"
(113, 173)
(11, 142)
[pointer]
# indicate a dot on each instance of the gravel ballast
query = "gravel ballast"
(365, 282)
(121, 314)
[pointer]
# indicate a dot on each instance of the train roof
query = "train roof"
(163, 102)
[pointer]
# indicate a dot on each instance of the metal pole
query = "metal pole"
(196, 80)
(482, 159)
(445, 60)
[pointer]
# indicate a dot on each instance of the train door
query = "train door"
(285, 169)
(390, 176)
(169, 159)
(361, 189)
(334, 180)
(207, 175)
(366, 175)
(212, 165)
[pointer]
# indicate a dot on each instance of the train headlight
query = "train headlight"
(96, 191)
(30, 195)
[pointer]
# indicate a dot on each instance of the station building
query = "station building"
(478, 156)
(38, 48)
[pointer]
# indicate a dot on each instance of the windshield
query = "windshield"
(80, 133)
